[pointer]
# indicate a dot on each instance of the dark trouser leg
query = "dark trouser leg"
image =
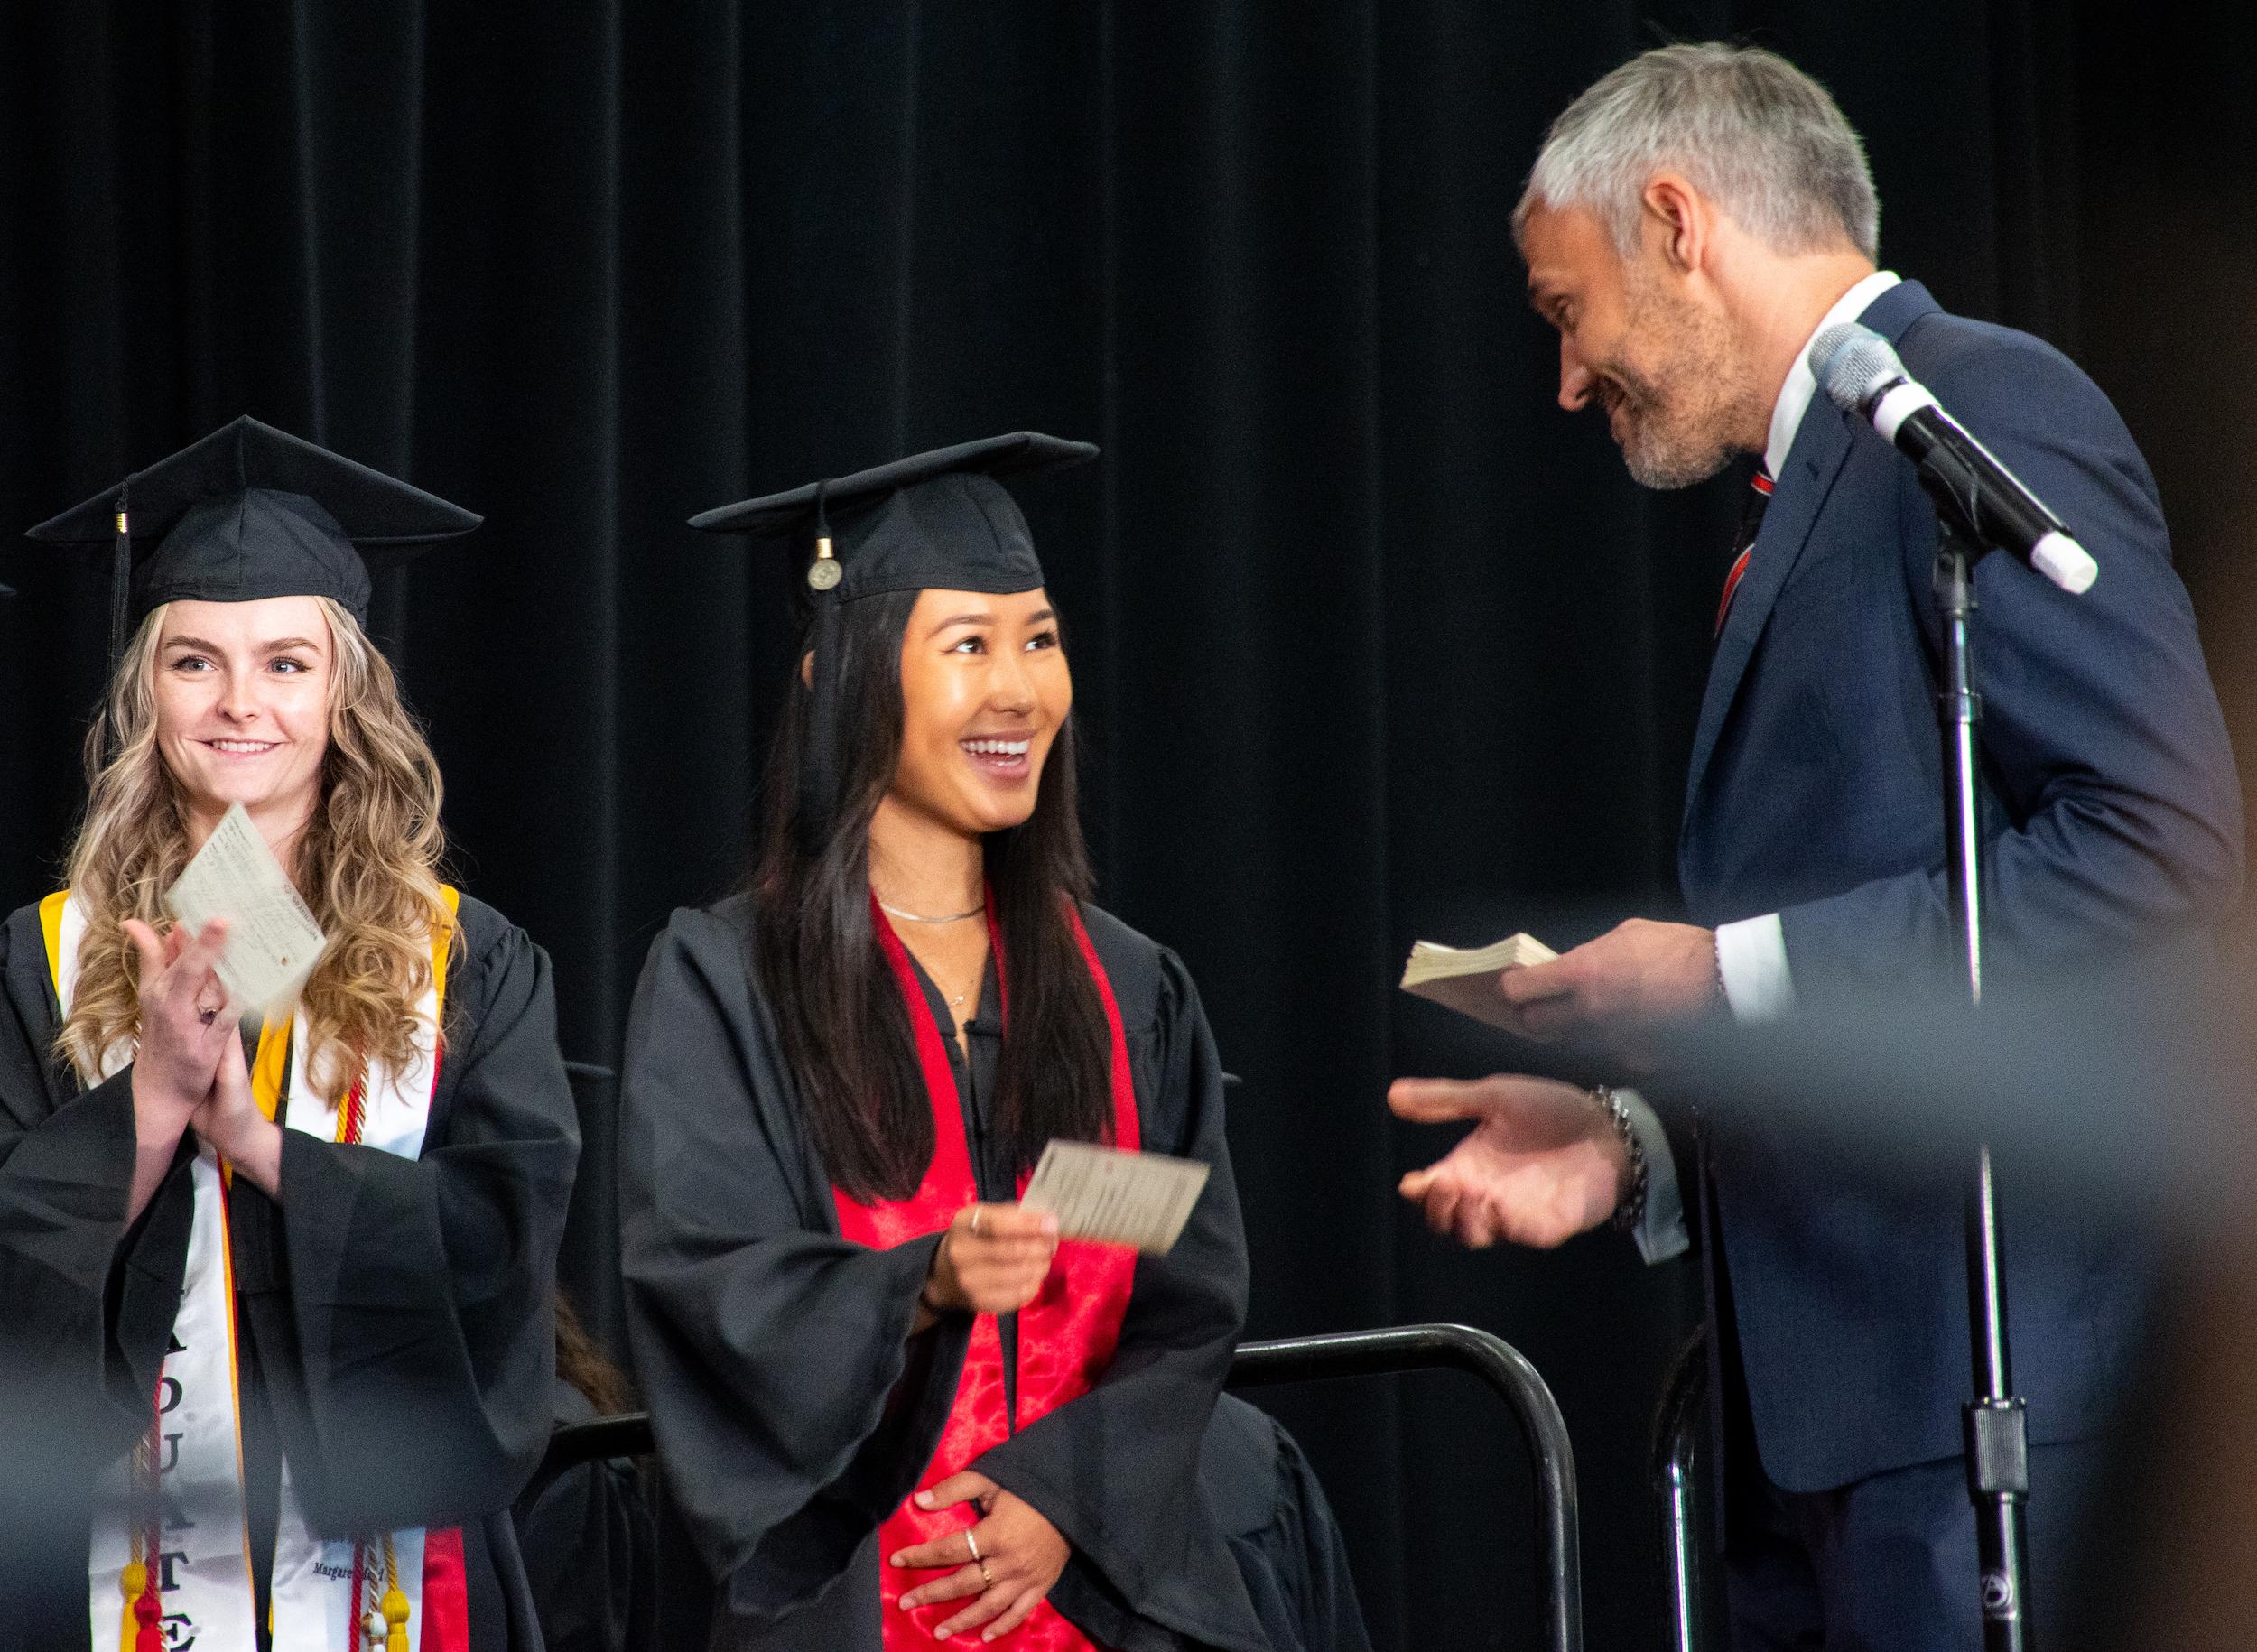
(1772, 1598)
(1892, 1557)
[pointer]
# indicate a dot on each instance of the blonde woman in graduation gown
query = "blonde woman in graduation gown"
(275, 1344)
(891, 1406)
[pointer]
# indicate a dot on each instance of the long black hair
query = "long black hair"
(845, 1030)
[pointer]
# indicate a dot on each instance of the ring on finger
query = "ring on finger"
(986, 1578)
(975, 1221)
(972, 1543)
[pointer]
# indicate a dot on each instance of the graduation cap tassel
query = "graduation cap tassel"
(818, 780)
(121, 579)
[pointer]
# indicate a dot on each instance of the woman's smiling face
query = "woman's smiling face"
(243, 702)
(984, 687)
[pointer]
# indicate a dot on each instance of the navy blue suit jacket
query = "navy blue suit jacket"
(1815, 792)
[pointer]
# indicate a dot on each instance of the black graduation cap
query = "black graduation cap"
(251, 512)
(932, 521)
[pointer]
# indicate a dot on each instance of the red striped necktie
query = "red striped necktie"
(1743, 541)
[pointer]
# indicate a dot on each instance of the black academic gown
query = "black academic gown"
(793, 1410)
(393, 1316)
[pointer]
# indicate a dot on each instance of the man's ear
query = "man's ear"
(807, 669)
(1679, 219)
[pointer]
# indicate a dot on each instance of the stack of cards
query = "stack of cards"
(1465, 979)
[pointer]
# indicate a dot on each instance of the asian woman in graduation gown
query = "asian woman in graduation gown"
(276, 1346)
(889, 1404)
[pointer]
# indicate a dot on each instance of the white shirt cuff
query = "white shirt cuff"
(1660, 1233)
(1752, 957)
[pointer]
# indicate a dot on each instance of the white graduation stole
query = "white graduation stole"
(200, 1565)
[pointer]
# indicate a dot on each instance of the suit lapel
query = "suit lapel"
(1822, 446)
(1797, 499)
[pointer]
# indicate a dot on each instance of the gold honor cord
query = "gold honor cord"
(143, 1630)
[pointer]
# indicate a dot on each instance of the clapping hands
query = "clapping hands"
(189, 1070)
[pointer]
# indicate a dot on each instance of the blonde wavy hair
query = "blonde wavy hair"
(368, 864)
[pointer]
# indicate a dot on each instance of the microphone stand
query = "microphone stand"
(1997, 1439)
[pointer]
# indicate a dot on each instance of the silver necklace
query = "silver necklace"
(918, 917)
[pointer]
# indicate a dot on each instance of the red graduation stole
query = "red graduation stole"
(1066, 1335)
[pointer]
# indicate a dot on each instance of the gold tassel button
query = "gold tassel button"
(824, 573)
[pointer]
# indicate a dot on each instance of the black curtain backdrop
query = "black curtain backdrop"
(1371, 642)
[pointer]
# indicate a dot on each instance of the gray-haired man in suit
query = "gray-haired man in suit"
(1694, 221)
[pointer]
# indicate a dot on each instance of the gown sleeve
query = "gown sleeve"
(404, 1306)
(88, 1300)
(1117, 1470)
(793, 1408)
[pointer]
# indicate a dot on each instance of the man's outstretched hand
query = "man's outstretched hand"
(1542, 1165)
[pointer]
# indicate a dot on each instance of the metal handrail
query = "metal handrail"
(1411, 1348)
(1348, 1353)
(1679, 1422)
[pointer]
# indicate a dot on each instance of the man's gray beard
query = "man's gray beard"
(1667, 469)
(1711, 399)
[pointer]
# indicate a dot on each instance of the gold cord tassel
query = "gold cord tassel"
(395, 1603)
(131, 1581)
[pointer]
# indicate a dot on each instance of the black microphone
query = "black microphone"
(1860, 371)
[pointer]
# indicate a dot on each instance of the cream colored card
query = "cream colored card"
(1464, 978)
(1114, 1197)
(272, 942)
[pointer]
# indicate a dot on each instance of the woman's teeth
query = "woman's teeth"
(996, 748)
(243, 747)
